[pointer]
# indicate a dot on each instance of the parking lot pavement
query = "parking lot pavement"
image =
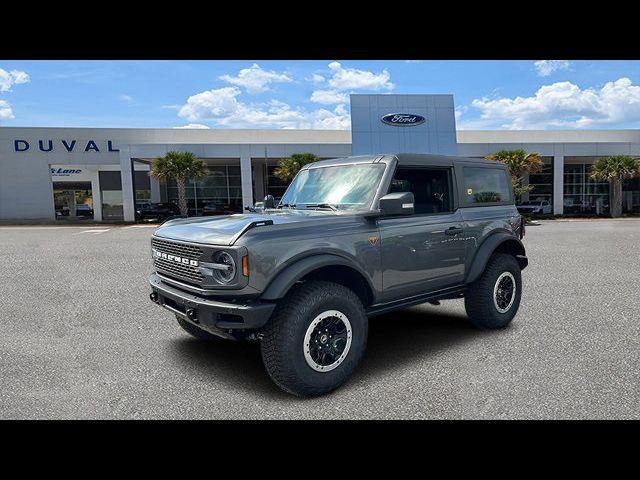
(80, 339)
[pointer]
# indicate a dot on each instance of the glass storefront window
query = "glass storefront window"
(112, 205)
(221, 187)
(542, 182)
(582, 194)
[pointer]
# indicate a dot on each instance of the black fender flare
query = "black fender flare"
(289, 275)
(486, 249)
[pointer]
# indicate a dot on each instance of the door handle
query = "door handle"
(453, 230)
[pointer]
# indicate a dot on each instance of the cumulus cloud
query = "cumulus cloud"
(5, 110)
(197, 126)
(564, 105)
(316, 78)
(125, 98)
(547, 67)
(256, 80)
(14, 77)
(222, 107)
(353, 79)
(329, 97)
(345, 80)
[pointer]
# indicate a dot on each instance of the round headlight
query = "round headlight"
(227, 274)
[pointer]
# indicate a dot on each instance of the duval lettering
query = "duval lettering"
(47, 145)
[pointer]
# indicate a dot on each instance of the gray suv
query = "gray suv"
(351, 238)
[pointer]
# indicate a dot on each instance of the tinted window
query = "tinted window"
(430, 188)
(485, 185)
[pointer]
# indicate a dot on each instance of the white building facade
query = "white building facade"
(101, 173)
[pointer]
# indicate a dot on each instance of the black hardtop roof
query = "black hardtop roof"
(405, 159)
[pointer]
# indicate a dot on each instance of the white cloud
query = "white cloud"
(316, 78)
(197, 126)
(222, 107)
(547, 67)
(5, 110)
(564, 105)
(329, 97)
(125, 98)
(352, 78)
(14, 77)
(256, 80)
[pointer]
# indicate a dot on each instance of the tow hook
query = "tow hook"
(154, 297)
(191, 315)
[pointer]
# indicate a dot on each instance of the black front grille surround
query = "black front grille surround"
(202, 275)
(174, 269)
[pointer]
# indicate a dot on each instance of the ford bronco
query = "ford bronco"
(350, 238)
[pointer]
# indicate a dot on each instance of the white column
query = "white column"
(558, 184)
(245, 176)
(96, 194)
(155, 190)
(126, 175)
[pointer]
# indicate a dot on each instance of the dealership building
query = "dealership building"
(102, 173)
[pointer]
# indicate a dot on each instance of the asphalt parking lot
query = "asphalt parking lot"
(80, 339)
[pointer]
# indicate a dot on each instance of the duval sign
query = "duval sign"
(65, 145)
(403, 119)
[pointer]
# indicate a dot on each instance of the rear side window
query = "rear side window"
(485, 185)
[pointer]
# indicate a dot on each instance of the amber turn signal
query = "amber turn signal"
(245, 265)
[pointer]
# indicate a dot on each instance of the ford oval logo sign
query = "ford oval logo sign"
(403, 119)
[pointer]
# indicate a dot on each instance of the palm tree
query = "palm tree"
(289, 167)
(519, 164)
(179, 166)
(615, 170)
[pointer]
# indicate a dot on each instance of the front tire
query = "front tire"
(315, 339)
(493, 299)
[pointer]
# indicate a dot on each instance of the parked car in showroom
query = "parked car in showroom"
(218, 209)
(156, 211)
(539, 207)
(84, 211)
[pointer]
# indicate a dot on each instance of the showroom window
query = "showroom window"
(582, 194)
(111, 193)
(485, 185)
(221, 189)
(542, 182)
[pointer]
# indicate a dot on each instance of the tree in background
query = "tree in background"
(519, 164)
(179, 166)
(615, 170)
(289, 167)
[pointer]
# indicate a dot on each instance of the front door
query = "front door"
(425, 251)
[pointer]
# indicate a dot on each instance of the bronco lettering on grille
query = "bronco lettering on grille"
(174, 258)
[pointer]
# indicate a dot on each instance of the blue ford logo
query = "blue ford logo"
(403, 119)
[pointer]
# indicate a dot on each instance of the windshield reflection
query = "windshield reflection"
(341, 186)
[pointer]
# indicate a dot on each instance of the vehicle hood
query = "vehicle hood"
(225, 230)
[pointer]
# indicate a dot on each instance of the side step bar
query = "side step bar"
(431, 297)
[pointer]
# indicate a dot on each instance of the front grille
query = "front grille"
(175, 269)
(188, 251)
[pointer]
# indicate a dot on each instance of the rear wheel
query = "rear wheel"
(315, 338)
(493, 299)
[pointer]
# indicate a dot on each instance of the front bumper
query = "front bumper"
(210, 315)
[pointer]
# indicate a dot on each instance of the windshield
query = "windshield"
(527, 204)
(341, 186)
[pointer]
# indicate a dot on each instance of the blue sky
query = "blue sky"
(545, 94)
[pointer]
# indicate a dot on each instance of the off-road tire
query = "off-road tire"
(479, 299)
(197, 332)
(283, 343)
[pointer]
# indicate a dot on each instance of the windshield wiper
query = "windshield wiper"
(321, 205)
(286, 205)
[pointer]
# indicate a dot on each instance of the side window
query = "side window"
(430, 187)
(485, 185)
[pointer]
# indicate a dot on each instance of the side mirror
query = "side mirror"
(399, 203)
(269, 202)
